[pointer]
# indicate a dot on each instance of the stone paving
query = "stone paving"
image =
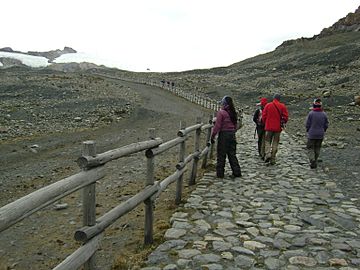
(284, 216)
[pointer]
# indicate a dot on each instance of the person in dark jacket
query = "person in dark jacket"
(316, 125)
(273, 113)
(225, 128)
(260, 125)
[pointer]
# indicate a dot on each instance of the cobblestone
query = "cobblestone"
(283, 216)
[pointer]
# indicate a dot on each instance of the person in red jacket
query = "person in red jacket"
(273, 114)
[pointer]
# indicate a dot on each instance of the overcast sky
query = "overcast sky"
(164, 35)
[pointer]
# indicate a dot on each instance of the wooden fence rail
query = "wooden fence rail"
(16, 211)
(93, 169)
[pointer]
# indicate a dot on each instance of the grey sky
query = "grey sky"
(164, 35)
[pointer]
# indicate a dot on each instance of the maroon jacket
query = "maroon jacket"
(223, 123)
(271, 115)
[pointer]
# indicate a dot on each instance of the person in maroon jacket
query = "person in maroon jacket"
(225, 127)
(273, 114)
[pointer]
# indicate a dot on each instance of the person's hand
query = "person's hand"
(212, 140)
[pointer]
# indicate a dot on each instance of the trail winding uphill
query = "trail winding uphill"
(285, 216)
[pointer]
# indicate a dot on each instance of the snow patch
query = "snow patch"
(28, 60)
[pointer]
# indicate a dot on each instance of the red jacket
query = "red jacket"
(271, 116)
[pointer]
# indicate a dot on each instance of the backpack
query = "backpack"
(282, 119)
(259, 120)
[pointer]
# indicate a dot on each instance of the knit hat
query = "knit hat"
(317, 103)
(223, 101)
(277, 96)
(263, 102)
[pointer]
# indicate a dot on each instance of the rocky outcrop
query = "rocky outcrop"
(6, 49)
(350, 23)
(51, 55)
(10, 62)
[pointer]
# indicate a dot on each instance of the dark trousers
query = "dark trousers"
(261, 141)
(226, 146)
(313, 148)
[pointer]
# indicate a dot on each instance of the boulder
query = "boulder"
(326, 93)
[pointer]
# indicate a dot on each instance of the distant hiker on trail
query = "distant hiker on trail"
(260, 125)
(316, 125)
(225, 128)
(275, 115)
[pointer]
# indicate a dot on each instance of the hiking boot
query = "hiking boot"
(313, 164)
(267, 160)
(219, 176)
(233, 176)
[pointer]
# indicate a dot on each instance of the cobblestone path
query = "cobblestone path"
(285, 216)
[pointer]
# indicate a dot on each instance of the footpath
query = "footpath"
(285, 216)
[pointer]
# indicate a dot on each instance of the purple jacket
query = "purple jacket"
(223, 123)
(316, 124)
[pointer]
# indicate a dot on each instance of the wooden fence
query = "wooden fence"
(92, 166)
(196, 98)
(93, 169)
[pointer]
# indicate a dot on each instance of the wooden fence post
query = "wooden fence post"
(89, 201)
(196, 149)
(208, 135)
(149, 203)
(179, 183)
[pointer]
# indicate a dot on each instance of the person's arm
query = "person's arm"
(308, 122)
(326, 124)
(285, 114)
(217, 126)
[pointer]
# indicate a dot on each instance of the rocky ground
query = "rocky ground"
(282, 216)
(36, 155)
(45, 114)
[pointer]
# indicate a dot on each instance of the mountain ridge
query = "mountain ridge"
(349, 23)
(50, 55)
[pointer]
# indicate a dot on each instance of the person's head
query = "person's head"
(226, 101)
(228, 104)
(317, 103)
(277, 96)
(263, 102)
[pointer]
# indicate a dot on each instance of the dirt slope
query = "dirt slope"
(46, 238)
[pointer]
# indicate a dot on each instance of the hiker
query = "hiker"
(275, 115)
(316, 125)
(225, 128)
(257, 118)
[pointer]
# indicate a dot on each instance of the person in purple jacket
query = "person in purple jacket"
(316, 125)
(225, 128)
